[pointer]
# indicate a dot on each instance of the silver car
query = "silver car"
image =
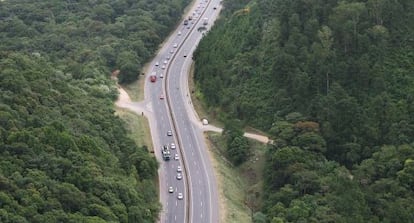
(179, 176)
(180, 196)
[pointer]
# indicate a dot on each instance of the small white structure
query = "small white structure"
(204, 121)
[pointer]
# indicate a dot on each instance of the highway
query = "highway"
(169, 103)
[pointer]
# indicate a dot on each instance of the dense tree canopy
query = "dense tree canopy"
(64, 155)
(332, 82)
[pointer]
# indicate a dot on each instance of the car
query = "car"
(172, 51)
(180, 196)
(165, 61)
(161, 75)
(179, 169)
(179, 176)
(168, 57)
(162, 96)
(163, 67)
(157, 63)
(204, 121)
(171, 189)
(215, 7)
(169, 133)
(188, 27)
(185, 54)
(179, 33)
(176, 157)
(172, 145)
(175, 45)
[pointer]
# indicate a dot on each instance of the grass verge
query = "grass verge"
(137, 127)
(135, 90)
(240, 188)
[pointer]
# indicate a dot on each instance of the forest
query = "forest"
(64, 154)
(332, 83)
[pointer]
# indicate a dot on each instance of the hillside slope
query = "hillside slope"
(332, 82)
(64, 155)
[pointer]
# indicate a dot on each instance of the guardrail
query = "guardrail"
(174, 125)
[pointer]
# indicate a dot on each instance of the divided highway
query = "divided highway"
(169, 102)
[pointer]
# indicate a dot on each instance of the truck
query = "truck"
(153, 77)
(166, 153)
(205, 21)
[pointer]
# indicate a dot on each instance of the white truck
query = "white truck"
(166, 154)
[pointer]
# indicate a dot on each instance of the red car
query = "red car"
(153, 77)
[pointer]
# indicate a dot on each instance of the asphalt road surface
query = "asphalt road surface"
(198, 187)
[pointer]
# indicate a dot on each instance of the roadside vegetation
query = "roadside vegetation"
(332, 84)
(240, 186)
(65, 156)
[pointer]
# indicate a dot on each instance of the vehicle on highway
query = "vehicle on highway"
(157, 64)
(169, 133)
(171, 189)
(180, 196)
(179, 33)
(179, 176)
(185, 22)
(153, 77)
(168, 57)
(163, 67)
(161, 75)
(176, 157)
(162, 96)
(205, 21)
(172, 145)
(175, 45)
(185, 54)
(166, 153)
(172, 51)
(179, 169)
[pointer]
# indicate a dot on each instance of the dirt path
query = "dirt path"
(124, 101)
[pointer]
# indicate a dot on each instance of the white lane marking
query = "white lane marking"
(201, 215)
(176, 203)
(201, 204)
(192, 153)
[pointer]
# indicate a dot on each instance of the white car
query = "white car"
(175, 45)
(157, 63)
(165, 61)
(179, 176)
(163, 67)
(179, 33)
(168, 57)
(172, 51)
(179, 170)
(172, 145)
(169, 133)
(161, 75)
(171, 189)
(180, 196)
(176, 157)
